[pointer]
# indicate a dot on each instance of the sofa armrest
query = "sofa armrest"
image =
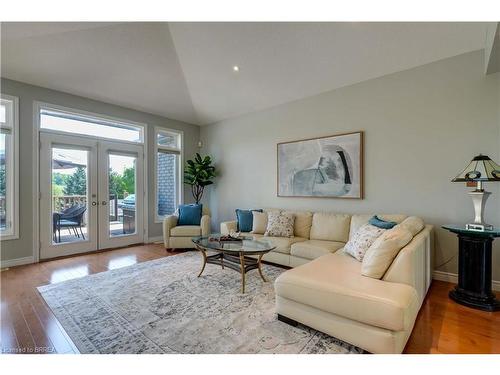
(205, 225)
(169, 222)
(227, 227)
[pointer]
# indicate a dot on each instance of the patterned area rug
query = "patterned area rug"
(161, 306)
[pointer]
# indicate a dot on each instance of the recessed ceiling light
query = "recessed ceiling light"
(236, 68)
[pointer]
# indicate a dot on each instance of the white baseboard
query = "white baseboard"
(155, 239)
(16, 262)
(453, 278)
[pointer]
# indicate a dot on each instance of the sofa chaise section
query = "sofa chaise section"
(331, 295)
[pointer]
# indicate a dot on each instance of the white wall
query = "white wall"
(422, 126)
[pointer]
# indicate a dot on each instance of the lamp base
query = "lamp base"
(479, 198)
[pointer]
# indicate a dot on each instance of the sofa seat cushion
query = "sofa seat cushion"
(186, 231)
(312, 249)
(282, 243)
(333, 283)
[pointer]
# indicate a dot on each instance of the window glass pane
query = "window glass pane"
(2, 113)
(168, 139)
(74, 123)
(122, 183)
(3, 182)
(69, 195)
(166, 183)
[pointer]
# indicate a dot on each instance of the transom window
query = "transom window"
(168, 150)
(76, 123)
(9, 169)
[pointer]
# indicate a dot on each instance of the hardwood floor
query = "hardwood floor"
(443, 326)
(29, 326)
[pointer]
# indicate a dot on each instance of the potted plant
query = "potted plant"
(199, 173)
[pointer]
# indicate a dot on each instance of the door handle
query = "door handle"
(94, 203)
(104, 203)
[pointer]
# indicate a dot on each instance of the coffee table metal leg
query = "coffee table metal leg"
(204, 254)
(259, 264)
(242, 266)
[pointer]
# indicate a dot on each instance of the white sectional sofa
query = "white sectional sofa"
(325, 289)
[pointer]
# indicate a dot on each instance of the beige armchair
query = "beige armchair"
(179, 237)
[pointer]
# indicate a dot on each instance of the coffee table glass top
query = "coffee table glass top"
(247, 245)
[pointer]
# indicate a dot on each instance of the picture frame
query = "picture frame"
(322, 167)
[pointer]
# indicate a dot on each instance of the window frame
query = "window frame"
(179, 170)
(12, 172)
(120, 123)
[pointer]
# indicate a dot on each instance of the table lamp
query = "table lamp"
(480, 169)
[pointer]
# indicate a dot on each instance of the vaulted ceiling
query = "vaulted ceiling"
(185, 71)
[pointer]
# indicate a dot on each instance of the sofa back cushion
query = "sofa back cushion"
(414, 263)
(303, 222)
(382, 252)
(413, 223)
(259, 224)
(357, 221)
(330, 227)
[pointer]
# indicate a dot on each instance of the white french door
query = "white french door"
(121, 222)
(91, 194)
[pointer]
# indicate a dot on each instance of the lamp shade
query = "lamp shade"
(481, 168)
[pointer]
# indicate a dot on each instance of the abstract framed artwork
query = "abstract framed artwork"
(323, 167)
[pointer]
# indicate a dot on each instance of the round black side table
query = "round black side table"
(474, 268)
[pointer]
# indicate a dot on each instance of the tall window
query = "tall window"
(9, 194)
(168, 166)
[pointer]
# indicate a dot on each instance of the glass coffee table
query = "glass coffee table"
(233, 254)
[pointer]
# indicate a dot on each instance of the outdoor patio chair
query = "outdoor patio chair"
(70, 218)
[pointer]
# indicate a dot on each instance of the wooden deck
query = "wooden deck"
(67, 236)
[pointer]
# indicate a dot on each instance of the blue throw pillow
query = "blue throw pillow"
(190, 214)
(245, 219)
(379, 223)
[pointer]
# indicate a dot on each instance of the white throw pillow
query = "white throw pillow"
(280, 224)
(382, 252)
(413, 223)
(259, 222)
(362, 240)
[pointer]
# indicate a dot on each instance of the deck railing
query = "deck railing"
(60, 202)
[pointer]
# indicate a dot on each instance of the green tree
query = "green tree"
(116, 185)
(57, 190)
(76, 184)
(59, 178)
(2, 180)
(128, 179)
